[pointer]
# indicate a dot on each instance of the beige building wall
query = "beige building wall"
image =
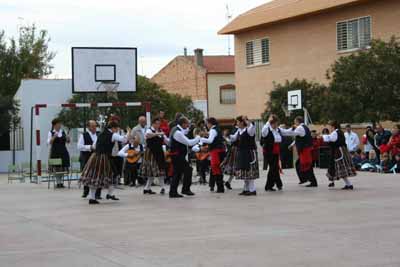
(215, 108)
(182, 76)
(304, 48)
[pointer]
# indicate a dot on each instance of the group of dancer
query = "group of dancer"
(234, 155)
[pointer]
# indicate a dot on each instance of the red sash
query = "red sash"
(305, 157)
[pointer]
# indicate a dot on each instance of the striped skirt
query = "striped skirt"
(341, 166)
(246, 165)
(149, 167)
(228, 165)
(98, 171)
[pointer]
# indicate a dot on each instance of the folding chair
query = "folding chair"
(75, 170)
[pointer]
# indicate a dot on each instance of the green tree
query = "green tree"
(146, 92)
(314, 100)
(365, 86)
(22, 58)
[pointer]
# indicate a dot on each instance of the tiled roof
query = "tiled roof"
(281, 10)
(218, 64)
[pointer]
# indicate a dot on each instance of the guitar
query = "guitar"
(133, 156)
(203, 154)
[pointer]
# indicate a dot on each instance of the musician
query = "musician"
(304, 146)
(179, 154)
(271, 139)
(133, 153)
(98, 171)
(246, 164)
(86, 146)
(217, 152)
(58, 139)
(154, 165)
(202, 160)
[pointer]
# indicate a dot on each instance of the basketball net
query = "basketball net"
(110, 88)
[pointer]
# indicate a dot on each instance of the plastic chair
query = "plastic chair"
(14, 174)
(53, 174)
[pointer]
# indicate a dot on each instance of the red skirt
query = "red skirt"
(215, 155)
(306, 160)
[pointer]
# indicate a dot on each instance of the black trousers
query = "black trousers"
(203, 167)
(130, 173)
(86, 188)
(306, 176)
(274, 177)
(181, 168)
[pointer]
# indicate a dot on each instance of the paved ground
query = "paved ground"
(297, 227)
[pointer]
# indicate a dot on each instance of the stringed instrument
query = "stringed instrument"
(133, 156)
(203, 154)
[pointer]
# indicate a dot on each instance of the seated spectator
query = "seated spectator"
(356, 158)
(386, 163)
(396, 163)
(372, 164)
(394, 142)
(382, 137)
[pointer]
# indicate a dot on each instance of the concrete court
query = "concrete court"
(297, 227)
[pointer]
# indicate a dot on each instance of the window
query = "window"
(354, 34)
(257, 52)
(227, 94)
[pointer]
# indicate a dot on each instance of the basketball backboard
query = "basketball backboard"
(101, 69)
(294, 100)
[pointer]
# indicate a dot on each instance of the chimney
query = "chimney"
(198, 55)
(185, 51)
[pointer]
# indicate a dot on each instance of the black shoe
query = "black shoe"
(303, 182)
(162, 192)
(111, 197)
(98, 197)
(270, 189)
(251, 193)
(220, 191)
(312, 185)
(132, 185)
(62, 186)
(93, 202)
(331, 185)
(149, 192)
(228, 186)
(84, 195)
(212, 189)
(188, 193)
(348, 187)
(280, 188)
(244, 193)
(175, 196)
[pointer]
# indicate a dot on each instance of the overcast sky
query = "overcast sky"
(159, 28)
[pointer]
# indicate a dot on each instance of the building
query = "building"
(30, 93)
(287, 39)
(208, 80)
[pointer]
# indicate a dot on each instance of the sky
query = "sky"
(160, 29)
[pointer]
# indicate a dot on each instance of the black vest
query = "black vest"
(268, 142)
(306, 141)
(218, 140)
(104, 143)
(85, 155)
(175, 146)
(245, 141)
(341, 140)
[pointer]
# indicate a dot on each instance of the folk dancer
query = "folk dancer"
(58, 139)
(98, 171)
(340, 164)
(179, 144)
(86, 147)
(217, 151)
(154, 164)
(246, 163)
(304, 146)
(271, 139)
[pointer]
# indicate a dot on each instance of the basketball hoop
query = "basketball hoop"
(111, 88)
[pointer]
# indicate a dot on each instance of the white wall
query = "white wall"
(33, 92)
(201, 105)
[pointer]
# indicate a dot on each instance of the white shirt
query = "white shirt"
(123, 153)
(368, 146)
(50, 135)
(116, 137)
(150, 131)
(352, 141)
(299, 131)
(251, 130)
(330, 138)
(211, 136)
(265, 131)
(180, 137)
(81, 142)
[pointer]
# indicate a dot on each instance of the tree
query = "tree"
(26, 57)
(146, 92)
(365, 86)
(314, 100)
